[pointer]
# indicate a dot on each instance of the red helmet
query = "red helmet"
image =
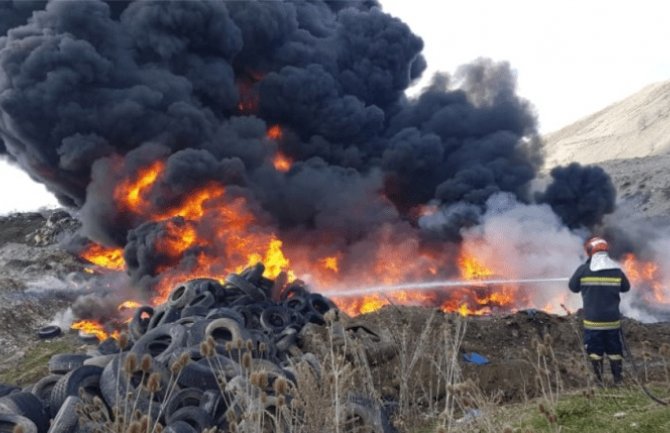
(595, 244)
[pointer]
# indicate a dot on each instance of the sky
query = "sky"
(572, 57)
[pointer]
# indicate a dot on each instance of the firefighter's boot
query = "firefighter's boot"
(617, 368)
(598, 370)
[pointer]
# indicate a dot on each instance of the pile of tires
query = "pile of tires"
(210, 353)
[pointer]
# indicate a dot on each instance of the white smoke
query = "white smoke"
(527, 241)
(63, 319)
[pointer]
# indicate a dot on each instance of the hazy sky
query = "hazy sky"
(572, 57)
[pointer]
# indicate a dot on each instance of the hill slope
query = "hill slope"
(635, 127)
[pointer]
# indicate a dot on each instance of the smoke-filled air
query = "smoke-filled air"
(194, 139)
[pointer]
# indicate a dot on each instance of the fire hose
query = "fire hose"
(636, 371)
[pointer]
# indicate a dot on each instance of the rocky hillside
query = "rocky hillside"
(636, 127)
(630, 139)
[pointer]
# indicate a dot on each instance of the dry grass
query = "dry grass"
(336, 390)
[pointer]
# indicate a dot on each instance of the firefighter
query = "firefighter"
(600, 281)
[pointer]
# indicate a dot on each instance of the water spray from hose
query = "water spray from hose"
(433, 285)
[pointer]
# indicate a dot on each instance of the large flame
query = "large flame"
(646, 276)
(104, 257)
(211, 231)
(97, 329)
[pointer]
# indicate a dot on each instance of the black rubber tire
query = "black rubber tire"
(196, 333)
(182, 398)
(163, 315)
(220, 313)
(9, 421)
(187, 322)
(181, 295)
(138, 325)
(49, 331)
(213, 403)
(28, 405)
(161, 342)
(224, 330)
(204, 299)
(179, 427)
(108, 347)
(286, 339)
(194, 311)
(42, 389)
(371, 413)
(86, 377)
(275, 319)
(63, 363)
(193, 416)
(66, 420)
(8, 389)
(250, 320)
(100, 361)
(296, 303)
(114, 380)
(200, 375)
(259, 338)
(294, 290)
(253, 273)
(248, 288)
(319, 303)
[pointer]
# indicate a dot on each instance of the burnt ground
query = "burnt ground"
(37, 276)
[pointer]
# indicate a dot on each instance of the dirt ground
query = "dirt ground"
(30, 253)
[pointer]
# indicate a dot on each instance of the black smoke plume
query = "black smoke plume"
(580, 195)
(91, 92)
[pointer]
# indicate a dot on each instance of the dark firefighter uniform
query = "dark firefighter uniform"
(600, 291)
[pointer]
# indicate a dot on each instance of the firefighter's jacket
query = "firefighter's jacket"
(600, 280)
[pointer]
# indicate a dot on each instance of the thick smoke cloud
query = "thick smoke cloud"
(91, 92)
(581, 196)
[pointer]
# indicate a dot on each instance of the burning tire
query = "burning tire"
(139, 324)
(9, 423)
(50, 331)
(65, 362)
(86, 378)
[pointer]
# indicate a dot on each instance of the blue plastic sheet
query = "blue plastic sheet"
(475, 358)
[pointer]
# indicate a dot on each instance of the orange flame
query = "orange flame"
(645, 275)
(130, 193)
(274, 132)
(282, 162)
(129, 305)
(109, 258)
(211, 231)
(331, 263)
(471, 269)
(92, 327)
